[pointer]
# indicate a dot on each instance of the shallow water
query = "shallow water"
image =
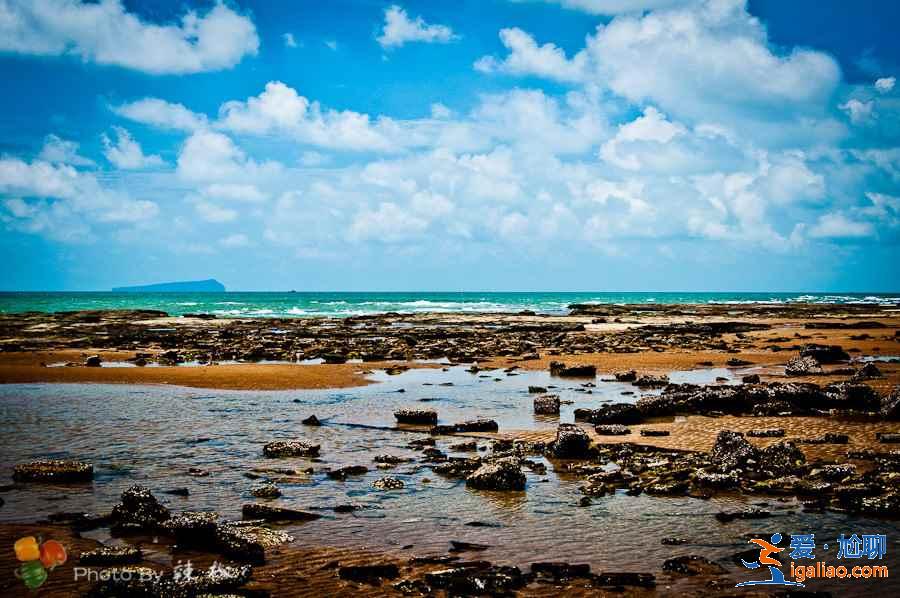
(153, 435)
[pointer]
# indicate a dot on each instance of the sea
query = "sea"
(344, 304)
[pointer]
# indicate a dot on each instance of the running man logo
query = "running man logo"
(776, 577)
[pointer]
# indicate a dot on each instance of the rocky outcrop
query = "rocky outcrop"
(825, 353)
(581, 370)
(138, 511)
(802, 366)
(290, 448)
(272, 513)
(500, 474)
(546, 405)
(571, 443)
(416, 416)
(54, 471)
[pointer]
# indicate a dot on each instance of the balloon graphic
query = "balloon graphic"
(33, 574)
(53, 554)
(27, 549)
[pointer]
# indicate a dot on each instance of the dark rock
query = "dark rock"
(890, 405)
(802, 366)
(648, 381)
(193, 528)
(501, 474)
(781, 458)
(616, 413)
(672, 541)
(371, 574)
(611, 430)
(247, 541)
(177, 492)
(580, 370)
(736, 363)
(692, 565)
(729, 516)
(476, 425)
(827, 438)
(416, 416)
(651, 433)
(629, 376)
(388, 483)
(312, 420)
(271, 513)
(93, 361)
(111, 555)
(290, 448)
(477, 579)
(732, 451)
(547, 405)
(751, 379)
(766, 433)
(887, 438)
(536, 390)
(866, 372)
(571, 442)
(138, 511)
(459, 546)
(641, 580)
(55, 471)
(349, 470)
(825, 353)
(560, 570)
(391, 459)
(266, 490)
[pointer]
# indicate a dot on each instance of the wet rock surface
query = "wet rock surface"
(55, 471)
(501, 474)
(290, 448)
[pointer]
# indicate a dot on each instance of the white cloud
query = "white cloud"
(860, 112)
(526, 57)
(836, 225)
(400, 29)
(211, 212)
(614, 7)
(163, 114)
(126, 153)
(651, 126)
(440, 111)
(207, 156)
(713, 63)
(885, 84)
(389, 223)
(61, 151)
(289, 40)
(280, 109)
(235, 241)
(60, 202)
(234, 192)
(106, 33)
(331, 44)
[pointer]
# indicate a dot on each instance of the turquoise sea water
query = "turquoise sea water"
(282, 304)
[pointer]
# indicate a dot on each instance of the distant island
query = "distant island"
(191, 286)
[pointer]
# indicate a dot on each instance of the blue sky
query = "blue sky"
(466, 145)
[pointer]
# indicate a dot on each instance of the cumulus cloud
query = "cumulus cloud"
(163, 114)
(860, 112)
(60, 151)
(289, 41)
(399, 29)
(235, 192)
(885, 84)
(280, 109)
(62, 203)
(389, 223)
(836, 225)
(208, 156)
(526, 57)
(126, 153)
(614, 7)
(106, 33)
